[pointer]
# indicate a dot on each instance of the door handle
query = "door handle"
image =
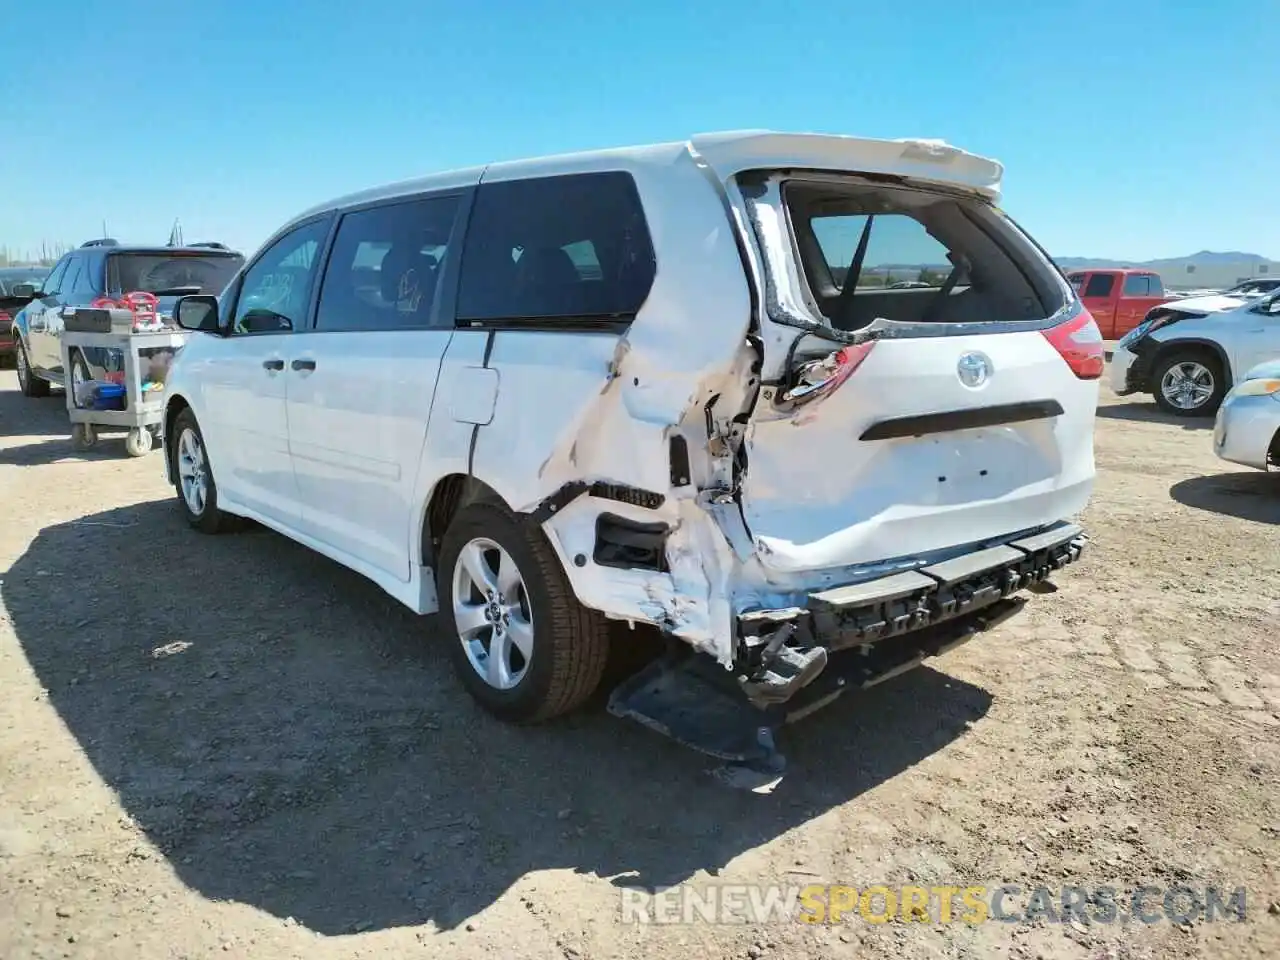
(303, 364)
(273, 364)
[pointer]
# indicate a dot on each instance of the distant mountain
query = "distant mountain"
(1204, 258)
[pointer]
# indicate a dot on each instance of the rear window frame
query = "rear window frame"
(787, 178)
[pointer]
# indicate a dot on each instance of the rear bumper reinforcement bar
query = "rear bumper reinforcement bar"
(867, 613)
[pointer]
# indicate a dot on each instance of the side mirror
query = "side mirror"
(1270, 308)
(197, 312)
(24, 290)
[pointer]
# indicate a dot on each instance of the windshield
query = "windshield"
(160, 273)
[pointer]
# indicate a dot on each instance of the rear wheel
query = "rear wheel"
(520, 641)
(1190, 383)
(32, 385)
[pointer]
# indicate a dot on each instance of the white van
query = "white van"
(683, 385)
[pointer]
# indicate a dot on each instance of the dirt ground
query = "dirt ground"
(215, 746)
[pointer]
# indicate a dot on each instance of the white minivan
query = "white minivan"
(812, 406)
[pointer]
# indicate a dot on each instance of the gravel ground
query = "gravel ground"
(216, 746)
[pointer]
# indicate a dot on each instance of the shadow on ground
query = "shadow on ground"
(31, 416)
(1249, 496)
(1150, 413)
(291, 738)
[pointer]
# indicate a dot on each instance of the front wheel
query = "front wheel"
(193, 476)
(1190, 383)
(520, 641)
(30, 384)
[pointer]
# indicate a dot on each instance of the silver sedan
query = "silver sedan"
(1247, 429)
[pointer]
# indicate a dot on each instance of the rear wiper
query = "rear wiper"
(176, 291)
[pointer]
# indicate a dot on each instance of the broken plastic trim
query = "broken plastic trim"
(817, 378)
(645, 499)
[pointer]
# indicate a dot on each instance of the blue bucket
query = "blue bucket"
(110, 397)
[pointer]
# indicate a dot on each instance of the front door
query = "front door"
(1259, 336)
(362, 381)
(42, 347)
(1099, 299)
(247, 376)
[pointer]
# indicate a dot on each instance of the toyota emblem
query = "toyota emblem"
(974, 369)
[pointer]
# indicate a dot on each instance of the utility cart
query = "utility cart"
(115, 362)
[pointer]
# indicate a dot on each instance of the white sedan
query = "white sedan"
(1247, 429)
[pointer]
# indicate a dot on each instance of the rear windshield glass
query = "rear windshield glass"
(911, 255)
(173, 274)
(10, 279)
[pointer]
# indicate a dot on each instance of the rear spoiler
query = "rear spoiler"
(729, 154)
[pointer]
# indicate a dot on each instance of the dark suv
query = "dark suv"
(103, 272)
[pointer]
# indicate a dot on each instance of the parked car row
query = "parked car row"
(105, 273)
(1188, 353)
(17, 286)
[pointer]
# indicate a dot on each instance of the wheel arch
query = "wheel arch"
(448, 496)
(1211, 347)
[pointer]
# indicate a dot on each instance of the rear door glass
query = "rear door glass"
(1136, 285)
(556, 248)
(385, 264)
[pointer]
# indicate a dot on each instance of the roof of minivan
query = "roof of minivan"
(727, 154)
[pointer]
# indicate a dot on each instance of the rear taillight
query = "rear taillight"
(1079, 342)
(818, 377)
(5, 320)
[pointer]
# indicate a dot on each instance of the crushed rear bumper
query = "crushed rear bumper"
(782, 651)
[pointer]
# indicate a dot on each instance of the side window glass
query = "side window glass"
(1155, 286)
(276, 289)
(385, 265)
(53, 282)
(1100, 285)
(1135, 285)
(1075, 279)
(573, 247)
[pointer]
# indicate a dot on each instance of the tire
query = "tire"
(200, 512)
(568, 643)
(1208, 385)
(32, 385)
(79, 371)
(84, 436)
(138, 442)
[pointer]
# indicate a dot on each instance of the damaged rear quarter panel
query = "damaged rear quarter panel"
(595, 406)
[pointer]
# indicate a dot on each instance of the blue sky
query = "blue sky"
(1131, 129)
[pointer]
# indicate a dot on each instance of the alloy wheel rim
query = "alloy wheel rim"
(22, 366)
(491, 613)
(1187, 385)
(192, 471)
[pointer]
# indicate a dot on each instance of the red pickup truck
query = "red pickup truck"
(1118, 299)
